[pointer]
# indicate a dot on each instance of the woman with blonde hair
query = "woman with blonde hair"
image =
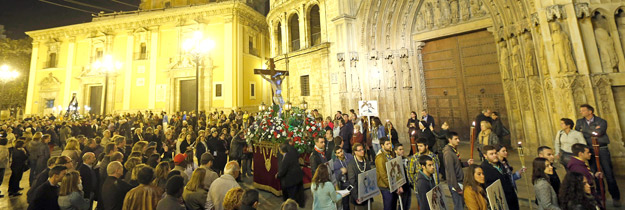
(140, 147)
(232, 200)
(194, 194)
(71, 196)
(72, 150)
(486, 137)
(129, 165)
(160, 175)
(134, 174)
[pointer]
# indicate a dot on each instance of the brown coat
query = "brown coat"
(143, 197)
(474, 200)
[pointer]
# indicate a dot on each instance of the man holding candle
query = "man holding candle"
(453, 167)
(593, 126)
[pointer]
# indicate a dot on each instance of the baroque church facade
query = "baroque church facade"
(533, 61)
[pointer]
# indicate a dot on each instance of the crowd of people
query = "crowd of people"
(196, 161)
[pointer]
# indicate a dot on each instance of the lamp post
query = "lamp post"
(304, 105)
(6, 75)
(262, 106)
(196, 47)
(106, 64)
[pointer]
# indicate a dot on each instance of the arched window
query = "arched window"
(315, 26)
(294, 32)
(279, 39)
(51, 60)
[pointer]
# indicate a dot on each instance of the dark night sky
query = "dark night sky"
(19, 16)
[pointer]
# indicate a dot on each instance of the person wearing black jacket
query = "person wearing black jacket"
(46, 196)
(425, 180)
(18, 166)
(358, 166)
(484, 116)
(347, 131)
(88, 176)
(318, 156)
(493, 171)
(426, 133)
(114, 188)
(290, 174)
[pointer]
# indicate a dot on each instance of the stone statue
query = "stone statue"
(503, 60)
(530, 58)
(342, 80)
(515, 58)
(609, 62)
(389, 72)
(442, 8)
(475, 7)
(464, 10)
(355, 79)
(420, 21)
(562, 50)
(453, 10)
(376, 75)
(427, 12)
(405, 72)
(620, 24)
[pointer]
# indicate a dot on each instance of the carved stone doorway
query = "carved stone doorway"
(462, 77)
(95, 99)
(187, 95)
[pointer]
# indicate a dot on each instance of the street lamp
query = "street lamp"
(7, 75)
(262, 106)
(197, 46)
(304, 105)
(106, 64)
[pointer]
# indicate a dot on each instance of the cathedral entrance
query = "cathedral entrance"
(187, 95)
(462, 77)
(95, 99)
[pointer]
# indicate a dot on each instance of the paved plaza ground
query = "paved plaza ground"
(269, 201)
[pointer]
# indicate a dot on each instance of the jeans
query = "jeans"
(606, 167)
(376, 148)
(390, 199)
(458, 199)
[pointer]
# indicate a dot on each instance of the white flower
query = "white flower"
(278, 136)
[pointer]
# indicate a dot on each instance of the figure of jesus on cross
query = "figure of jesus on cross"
(275, 78)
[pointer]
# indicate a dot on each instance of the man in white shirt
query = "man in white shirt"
(565, 139)
(221, 185)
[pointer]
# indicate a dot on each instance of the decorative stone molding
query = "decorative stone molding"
(582, 10)
(353, 58)
(534, 19)
(340, 57)
(50, 83)
(602, 86)
(555, 12)
(373, 55)
(418, 47)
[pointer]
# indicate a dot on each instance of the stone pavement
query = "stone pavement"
(269, 201)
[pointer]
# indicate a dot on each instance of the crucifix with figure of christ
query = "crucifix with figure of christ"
(275, 77)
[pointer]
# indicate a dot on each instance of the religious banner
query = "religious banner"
(436, 199)
(496, 196)
(367, 185)
(368, 108)
(395, 172)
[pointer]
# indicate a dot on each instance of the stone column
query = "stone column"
(71, 48)
(128, 70)
(31, 79)
(154, 31)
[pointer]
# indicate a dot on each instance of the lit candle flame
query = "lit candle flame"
(595, 134)
(519, 143)
(473, 123)
(413, 132)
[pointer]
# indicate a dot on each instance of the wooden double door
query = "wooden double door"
(462, 78)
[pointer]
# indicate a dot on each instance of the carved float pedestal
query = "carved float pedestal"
(266, 156)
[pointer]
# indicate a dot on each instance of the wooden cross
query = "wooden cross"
(271, 70)
(276, 77)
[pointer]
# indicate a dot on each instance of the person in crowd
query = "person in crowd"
(377, 132)
(217, 147)
(578, 164)
(426, 133)
(233, 198)
(337, 128)
(174, 191)
(324, 194)
(358, 137)
(46, 196)
(499, 129)
(484, 116)
(441, 138)
(290, 173)
(38, 152)
(114, 188)
(191, 164)
(546, 197)
(391, 132)
(358, 166)
(130, 165)
(414, 166)
(576, 194)
(591, 125)
(486, 137)
(194, 194)
(429, 120)
(160, 176)
(494, 170)
(4, 159)
(236, 148)
(145, 196)
(453, 167)
(474, 193)
(289, 204)
(181, 165)
(249, 200)
(502, 155)
(412, 124)
(406, 196)
(424, 181)
(41, 178)
(200, 145)
(88, 176)
(565, 139)
(318, 155)
(71, 197)
(339, 169)
(347, 131)
(330, 145)
(386, 154)
(221, 185)
(72, 150)
(207, 163)
(547, 153)
(18, 166)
